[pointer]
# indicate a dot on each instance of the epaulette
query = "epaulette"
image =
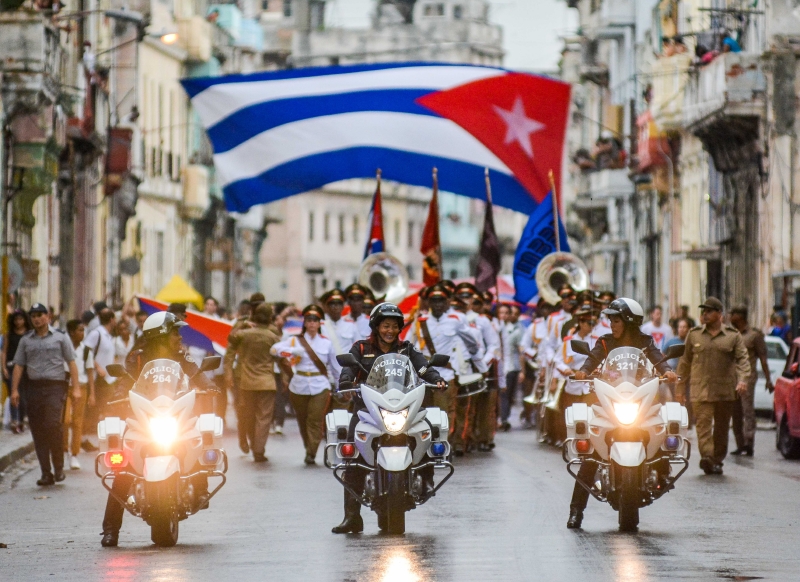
(422, 318)
(696, 328)
(453, 316)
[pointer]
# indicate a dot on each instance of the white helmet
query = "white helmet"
(629, 310)
(161, 324)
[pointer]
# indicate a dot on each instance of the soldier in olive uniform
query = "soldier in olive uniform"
(716, 362)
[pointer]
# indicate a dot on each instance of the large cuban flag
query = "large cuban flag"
(282, 133)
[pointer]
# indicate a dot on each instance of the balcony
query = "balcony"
(610, 18)
(610, 184)
(669, 78)
(31, 59)
(194, 34)
(732, 85)
(195, 191)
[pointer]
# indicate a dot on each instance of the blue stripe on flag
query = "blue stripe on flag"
(249, 122)
(315, 171)
(195, 86)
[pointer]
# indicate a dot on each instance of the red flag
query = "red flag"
(375, 241)
(431, 248)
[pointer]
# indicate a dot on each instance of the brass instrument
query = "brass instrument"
(555, 270)
(385, 276)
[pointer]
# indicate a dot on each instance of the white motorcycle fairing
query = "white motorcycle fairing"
(394, 458)
(160, 468)
(628, 454)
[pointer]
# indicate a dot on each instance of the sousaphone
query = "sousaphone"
(385, 276)
(555, 270)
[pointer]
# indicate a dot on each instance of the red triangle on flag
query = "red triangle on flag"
(520, 118)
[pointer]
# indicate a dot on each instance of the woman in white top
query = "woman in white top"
(310, 389)
(123, 341)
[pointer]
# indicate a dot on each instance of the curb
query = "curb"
(12, 457)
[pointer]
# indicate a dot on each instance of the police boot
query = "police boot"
(110, 539)
(352, 522)
(575, 518)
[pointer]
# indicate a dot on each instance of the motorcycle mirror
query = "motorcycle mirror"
(580, 347)
(347, 360)
(210, 363)
(439, 360)
(116, 370)
(674, 351)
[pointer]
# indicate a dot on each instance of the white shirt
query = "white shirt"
(532, 339)
(555, 322)
(660, 334)
(83, 378)
(122, 349)
(451, 336)
(292, 349)
(568, 361)
(101, 343)
(362, 323)
(512, 334)
(342, 333)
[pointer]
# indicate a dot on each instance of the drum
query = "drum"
(470, 384)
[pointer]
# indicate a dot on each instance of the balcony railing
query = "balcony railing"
(610, 184)
(669, 78)
(733, 84)
(31, 58)
(612, 16)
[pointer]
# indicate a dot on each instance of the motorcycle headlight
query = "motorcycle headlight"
(164, 430)
(626, 411)
(394, 421)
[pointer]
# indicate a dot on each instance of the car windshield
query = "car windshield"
(392, 372)
(775, 351)
(161, 378)
(626, 365)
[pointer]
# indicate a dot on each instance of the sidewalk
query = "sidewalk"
(13, 447)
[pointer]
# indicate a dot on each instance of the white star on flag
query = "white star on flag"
(519, 125)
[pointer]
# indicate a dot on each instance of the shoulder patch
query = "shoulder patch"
(368, 356)
(189, 359)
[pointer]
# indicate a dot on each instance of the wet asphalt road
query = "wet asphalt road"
(501, 517)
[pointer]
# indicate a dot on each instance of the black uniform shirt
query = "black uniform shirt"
(639, 340)
(366, 352)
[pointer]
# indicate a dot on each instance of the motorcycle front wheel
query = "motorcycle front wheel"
(162, 498)
(629, 497)
(395, 514)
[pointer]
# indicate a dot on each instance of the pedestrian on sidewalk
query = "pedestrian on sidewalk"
(310, 390)
(76, 407)
(101, 342)
(511, 334)
(18, 325)
(256, 377)
(44, 354)
(744, 411)
(716, 362)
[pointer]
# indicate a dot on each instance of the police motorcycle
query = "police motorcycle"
(393, 441)
(634, 441)
(163, 448)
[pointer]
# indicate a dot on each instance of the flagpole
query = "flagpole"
(439, 265)
(489, 201)
(555, 210)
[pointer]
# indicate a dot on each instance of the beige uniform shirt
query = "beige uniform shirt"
(756, 348)
(256, 363)
(714, 364)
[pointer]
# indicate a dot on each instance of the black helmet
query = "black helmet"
(161, 324)
(629, 310)
(382, 311)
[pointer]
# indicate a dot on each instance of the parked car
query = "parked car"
(787, 405)
(777, 350)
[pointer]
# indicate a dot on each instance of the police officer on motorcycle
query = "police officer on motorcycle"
(626, 317)
(386, 321)
(161, 338)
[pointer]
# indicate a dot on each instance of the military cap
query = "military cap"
(449, 285)
(712, 303)
(332, 295)
(37, 308)
(313, 310)
(355, 289)
(466, 288)
(437, 290)
(257, 298)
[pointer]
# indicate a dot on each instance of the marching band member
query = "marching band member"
(342, 331)
(533, 352)
(355, 295)
(444, 331)
(313, 357)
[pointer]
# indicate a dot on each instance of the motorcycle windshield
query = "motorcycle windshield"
(161, 378)
(392, 372)
(626, 365)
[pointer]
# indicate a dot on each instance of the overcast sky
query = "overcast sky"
(531, 28)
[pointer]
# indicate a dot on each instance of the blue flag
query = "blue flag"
(537, 240)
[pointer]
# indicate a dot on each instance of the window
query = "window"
(458, 12)
(287, 8)
(326, 227)
(317, 14)
(433, 10)
(356, 229)
(396, 233)
(311, 226)
(410, 234)
(264, 5)
(341, 229)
